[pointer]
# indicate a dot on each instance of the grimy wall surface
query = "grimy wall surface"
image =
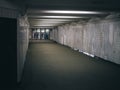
(22, 44)
(10, 10)
(100, 37)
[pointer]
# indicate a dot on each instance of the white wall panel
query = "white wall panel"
(98, 37)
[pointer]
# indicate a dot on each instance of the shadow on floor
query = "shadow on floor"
(50, 66)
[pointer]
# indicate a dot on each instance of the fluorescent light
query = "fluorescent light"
(71, 12)
(49, 20)
(38, 30)
(47, 30)
(60, 17)
(44, 25)
(42, 31)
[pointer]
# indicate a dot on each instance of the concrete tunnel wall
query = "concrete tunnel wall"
(9, 10)
(22, 44)
(99, 37)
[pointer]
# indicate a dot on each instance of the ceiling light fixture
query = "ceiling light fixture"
(72, 12)
(60, 17)
(47, 30)
(51, 20)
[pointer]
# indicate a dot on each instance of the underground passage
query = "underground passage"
(60, 45)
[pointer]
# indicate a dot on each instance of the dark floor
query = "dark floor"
(50, 66)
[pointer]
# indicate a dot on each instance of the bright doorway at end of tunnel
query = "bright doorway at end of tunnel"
(40, 34)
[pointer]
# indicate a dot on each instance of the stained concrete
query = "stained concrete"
(16, 11)
(22, 43)
(51, 66)
(100, 37)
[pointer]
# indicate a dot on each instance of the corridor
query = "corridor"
(51, 66)
(60, 45)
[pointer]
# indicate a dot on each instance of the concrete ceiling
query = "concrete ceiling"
(40, 12)
(55, 18)
(74, 4)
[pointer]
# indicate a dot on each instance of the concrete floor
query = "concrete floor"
(50, 66)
